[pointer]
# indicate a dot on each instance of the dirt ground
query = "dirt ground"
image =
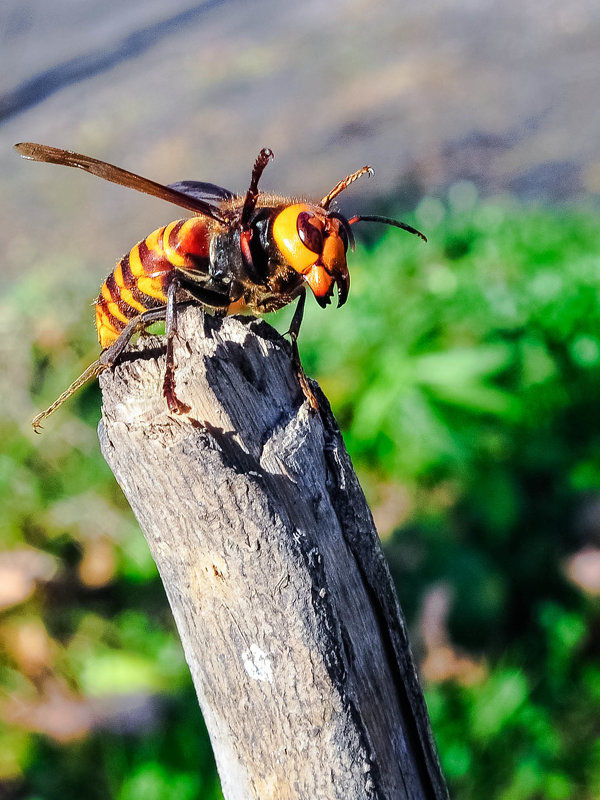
(498, 92)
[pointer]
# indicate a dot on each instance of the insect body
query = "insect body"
(252, 252)
(142, 277)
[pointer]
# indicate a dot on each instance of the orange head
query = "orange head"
(310, 238)
(314, 241)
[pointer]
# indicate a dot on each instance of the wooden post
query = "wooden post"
(273, 569)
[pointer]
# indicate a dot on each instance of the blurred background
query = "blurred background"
(465, 372)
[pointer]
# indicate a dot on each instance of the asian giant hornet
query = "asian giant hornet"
(238, 253)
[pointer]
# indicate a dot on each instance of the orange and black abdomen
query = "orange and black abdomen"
(141, 278)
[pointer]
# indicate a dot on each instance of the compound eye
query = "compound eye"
(310, 235)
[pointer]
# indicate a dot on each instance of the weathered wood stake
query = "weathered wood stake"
(273, 569)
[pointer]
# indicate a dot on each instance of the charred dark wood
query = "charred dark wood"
(273, 569)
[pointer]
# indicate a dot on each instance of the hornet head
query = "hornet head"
(309, 237)
(314, 242)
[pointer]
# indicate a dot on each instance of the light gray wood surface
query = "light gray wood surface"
(273, 570)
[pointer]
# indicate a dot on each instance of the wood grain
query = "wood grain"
(273, 569)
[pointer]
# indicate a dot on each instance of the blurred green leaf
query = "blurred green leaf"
(498, 702)
(151, 781)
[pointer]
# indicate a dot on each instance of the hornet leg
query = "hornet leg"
(293, 332)
(169, 314)
(173, 402)
(107, 359)
(91, 372)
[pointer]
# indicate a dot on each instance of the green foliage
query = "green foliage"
(465, 374)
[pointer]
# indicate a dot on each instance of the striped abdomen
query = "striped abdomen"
(141, 278)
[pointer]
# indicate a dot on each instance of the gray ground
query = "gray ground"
(501, 92)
